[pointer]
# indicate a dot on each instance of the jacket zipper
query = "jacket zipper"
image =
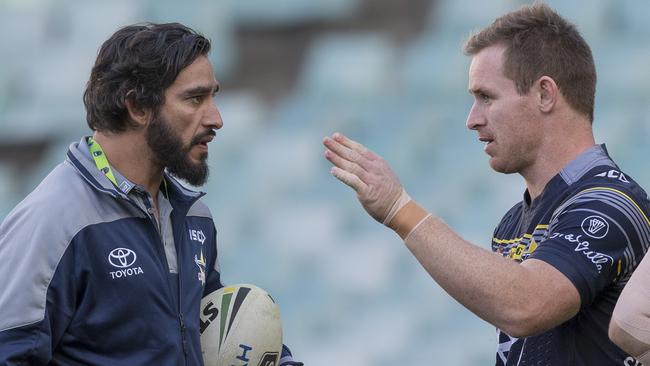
(163, 256)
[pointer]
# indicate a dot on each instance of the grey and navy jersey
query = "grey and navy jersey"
(591, 224)
(85, 280)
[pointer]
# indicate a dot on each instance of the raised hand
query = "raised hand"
(377, 187)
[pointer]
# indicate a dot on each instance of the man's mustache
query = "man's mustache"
(207, 133)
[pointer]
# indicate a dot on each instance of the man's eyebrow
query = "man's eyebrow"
(477, 91)
(202, 90)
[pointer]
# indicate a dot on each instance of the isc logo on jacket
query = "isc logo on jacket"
(197, 235)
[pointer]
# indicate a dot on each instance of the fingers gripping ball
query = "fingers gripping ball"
(240, 325)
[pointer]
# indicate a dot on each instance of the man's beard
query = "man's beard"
(169, 152)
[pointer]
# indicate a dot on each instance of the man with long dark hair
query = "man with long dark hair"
(107, 260)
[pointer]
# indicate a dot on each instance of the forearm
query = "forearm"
(630, 325)
(633, 345)
(500, 291)
(519, 299)
(471, 275)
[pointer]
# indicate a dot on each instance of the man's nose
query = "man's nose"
(475, 118)
(213, 117)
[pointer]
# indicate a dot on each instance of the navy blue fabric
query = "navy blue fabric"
(101, 292)
(594, 231)
(98, 313)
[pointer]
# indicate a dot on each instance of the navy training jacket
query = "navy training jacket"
(84, 277)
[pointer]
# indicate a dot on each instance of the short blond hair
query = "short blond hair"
(539, 42)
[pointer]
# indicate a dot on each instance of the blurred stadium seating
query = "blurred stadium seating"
(349, 291)
(284, 12)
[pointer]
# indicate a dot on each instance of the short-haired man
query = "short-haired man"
(107, 260)
(567, 249)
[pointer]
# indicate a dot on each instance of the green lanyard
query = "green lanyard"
(102, 163)
(100, 159)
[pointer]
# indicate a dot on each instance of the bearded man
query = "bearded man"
(107, 260)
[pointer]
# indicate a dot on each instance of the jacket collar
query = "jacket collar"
(79, 157)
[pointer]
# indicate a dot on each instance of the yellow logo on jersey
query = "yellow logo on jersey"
(520, 248)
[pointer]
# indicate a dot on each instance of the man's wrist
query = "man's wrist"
(402, 200)
(407, 218)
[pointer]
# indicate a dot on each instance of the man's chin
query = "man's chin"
(194, 180)
(194, 173)
(501, 167)
(198, 153)
(497, 165)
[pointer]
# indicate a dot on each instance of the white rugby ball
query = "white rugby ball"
(240, 326)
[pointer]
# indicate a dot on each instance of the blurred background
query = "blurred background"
(388, 73)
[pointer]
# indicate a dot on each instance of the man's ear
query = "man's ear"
(139, 115)
(548, 93)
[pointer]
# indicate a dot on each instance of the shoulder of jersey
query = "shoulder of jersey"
(612, 175)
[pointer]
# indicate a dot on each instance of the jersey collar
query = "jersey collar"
(576, 169)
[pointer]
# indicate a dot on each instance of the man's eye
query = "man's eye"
(485, 98)
(195, 100)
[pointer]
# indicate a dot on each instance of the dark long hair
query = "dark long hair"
(138, 62)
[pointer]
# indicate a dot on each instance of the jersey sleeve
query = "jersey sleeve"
(595, 237)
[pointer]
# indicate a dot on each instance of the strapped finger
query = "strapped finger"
(344, 164)
(345, 152)
(350, 150)
(349, 143)
(349, 179)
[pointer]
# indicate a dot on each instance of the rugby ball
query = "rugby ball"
(240, 326)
